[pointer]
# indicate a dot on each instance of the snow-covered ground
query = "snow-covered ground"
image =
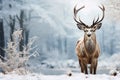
(75, 76)
(64, 38)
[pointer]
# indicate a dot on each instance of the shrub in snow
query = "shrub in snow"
(113, 72)
(16, 59)
(69, 72)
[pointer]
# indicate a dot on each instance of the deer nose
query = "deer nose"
(89, 35)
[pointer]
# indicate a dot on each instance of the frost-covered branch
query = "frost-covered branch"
(14, 57)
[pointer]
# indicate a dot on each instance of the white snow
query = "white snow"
(62, 28)
(75, 76)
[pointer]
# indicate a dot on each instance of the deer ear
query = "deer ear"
(81, 26)
(98, 26)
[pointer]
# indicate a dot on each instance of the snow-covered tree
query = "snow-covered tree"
(14, 60)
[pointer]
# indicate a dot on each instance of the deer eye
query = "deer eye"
(86, 31)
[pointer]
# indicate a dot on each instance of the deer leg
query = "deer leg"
(85, 66)
(91, 69)
(82, 66)
(95, 67)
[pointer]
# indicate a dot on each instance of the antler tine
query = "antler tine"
(81, 22)
(94, 22)
(98, 21)
(75, 14)
(103, 9)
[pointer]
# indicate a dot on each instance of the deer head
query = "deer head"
(89, 30)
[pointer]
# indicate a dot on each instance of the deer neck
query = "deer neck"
(90, 43)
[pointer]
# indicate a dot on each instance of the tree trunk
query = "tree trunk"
(26, 36)
(2, 43)
(21, 22)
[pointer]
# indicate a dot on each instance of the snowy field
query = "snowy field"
(52, 64)
(103, 73)
(75, 76)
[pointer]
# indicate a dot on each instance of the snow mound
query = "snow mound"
(75, 76)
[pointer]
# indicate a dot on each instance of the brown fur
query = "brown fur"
(87, 49)
(88, 52)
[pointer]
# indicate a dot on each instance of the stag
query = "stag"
(87, 48)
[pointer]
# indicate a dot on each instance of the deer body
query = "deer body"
(87, 49)
(88, 52)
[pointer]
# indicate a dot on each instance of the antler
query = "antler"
(75, 15)
(98, 21)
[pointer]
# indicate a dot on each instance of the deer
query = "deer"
(87, 48)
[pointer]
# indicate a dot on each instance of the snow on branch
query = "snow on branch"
(15, 58)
